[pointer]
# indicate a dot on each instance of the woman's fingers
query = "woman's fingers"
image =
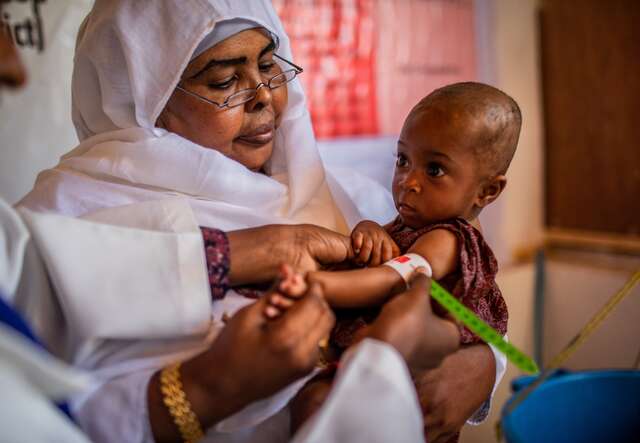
(298, 331)
(419, 282)
(280, 301)
(322, 327)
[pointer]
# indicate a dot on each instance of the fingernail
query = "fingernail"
(270, 311)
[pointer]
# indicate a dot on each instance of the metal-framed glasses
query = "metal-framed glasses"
(246, 95)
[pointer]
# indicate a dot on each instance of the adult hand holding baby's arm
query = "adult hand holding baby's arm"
(372, 245)
(260, 356)
(257, 253)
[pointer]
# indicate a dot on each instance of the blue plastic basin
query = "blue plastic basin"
(576, 407)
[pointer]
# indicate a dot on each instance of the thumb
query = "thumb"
(252, 315)
(419, 281)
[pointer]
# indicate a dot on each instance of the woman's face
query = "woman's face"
(244, 133)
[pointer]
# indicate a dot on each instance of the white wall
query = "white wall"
(577, 286)
(35, 123)
(509, 47)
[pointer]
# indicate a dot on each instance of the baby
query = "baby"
(453, 152)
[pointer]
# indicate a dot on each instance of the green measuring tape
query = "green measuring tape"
(489, 335)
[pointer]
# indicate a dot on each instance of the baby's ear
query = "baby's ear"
(491, 190)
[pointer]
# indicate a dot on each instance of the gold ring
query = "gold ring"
(323, 347)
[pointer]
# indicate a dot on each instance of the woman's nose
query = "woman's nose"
(262, 98)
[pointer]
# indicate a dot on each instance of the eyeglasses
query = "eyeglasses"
(246, 95)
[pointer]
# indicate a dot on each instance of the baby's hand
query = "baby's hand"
(372, 245)
(289, 287)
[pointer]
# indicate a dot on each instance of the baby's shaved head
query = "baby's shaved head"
(492, 118)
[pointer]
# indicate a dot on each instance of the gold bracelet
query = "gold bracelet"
(176, 401)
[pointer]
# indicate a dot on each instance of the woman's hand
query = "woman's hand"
(316, 247)
(451, 393)
(258, 253)
(252, 358)
(408, 323)
(372, 245)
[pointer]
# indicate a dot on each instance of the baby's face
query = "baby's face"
(436, 175)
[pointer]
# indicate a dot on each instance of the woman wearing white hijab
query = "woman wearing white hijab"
(145, 134)
(152, 106)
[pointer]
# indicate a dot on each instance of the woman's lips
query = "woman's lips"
(258, 136)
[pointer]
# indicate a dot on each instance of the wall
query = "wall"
(35, 123)
(509, 47)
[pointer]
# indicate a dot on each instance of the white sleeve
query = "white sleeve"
(482, 412)
(108, 277)
(117, 410)
(372, 400)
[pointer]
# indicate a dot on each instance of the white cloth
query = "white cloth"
(30, 381)
(121, 366)
(129, 58)
(225, 29)
(372, 400)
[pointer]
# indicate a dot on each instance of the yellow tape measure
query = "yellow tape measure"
(489, 335)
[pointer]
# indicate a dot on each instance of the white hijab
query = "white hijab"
(129, 57)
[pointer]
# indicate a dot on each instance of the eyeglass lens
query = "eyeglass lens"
(249, 94)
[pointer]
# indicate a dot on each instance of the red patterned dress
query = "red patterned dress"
(473, 282)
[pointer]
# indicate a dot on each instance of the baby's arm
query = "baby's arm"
(358, 288)
(373, 286)
(440, 248)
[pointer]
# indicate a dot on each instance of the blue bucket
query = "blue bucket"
(576, 407)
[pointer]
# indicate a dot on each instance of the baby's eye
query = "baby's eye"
(402, 161)
(434, 170)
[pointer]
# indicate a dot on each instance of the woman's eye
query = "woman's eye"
(434, 170)
(266, 67)
(401, 162)
(222, 85)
